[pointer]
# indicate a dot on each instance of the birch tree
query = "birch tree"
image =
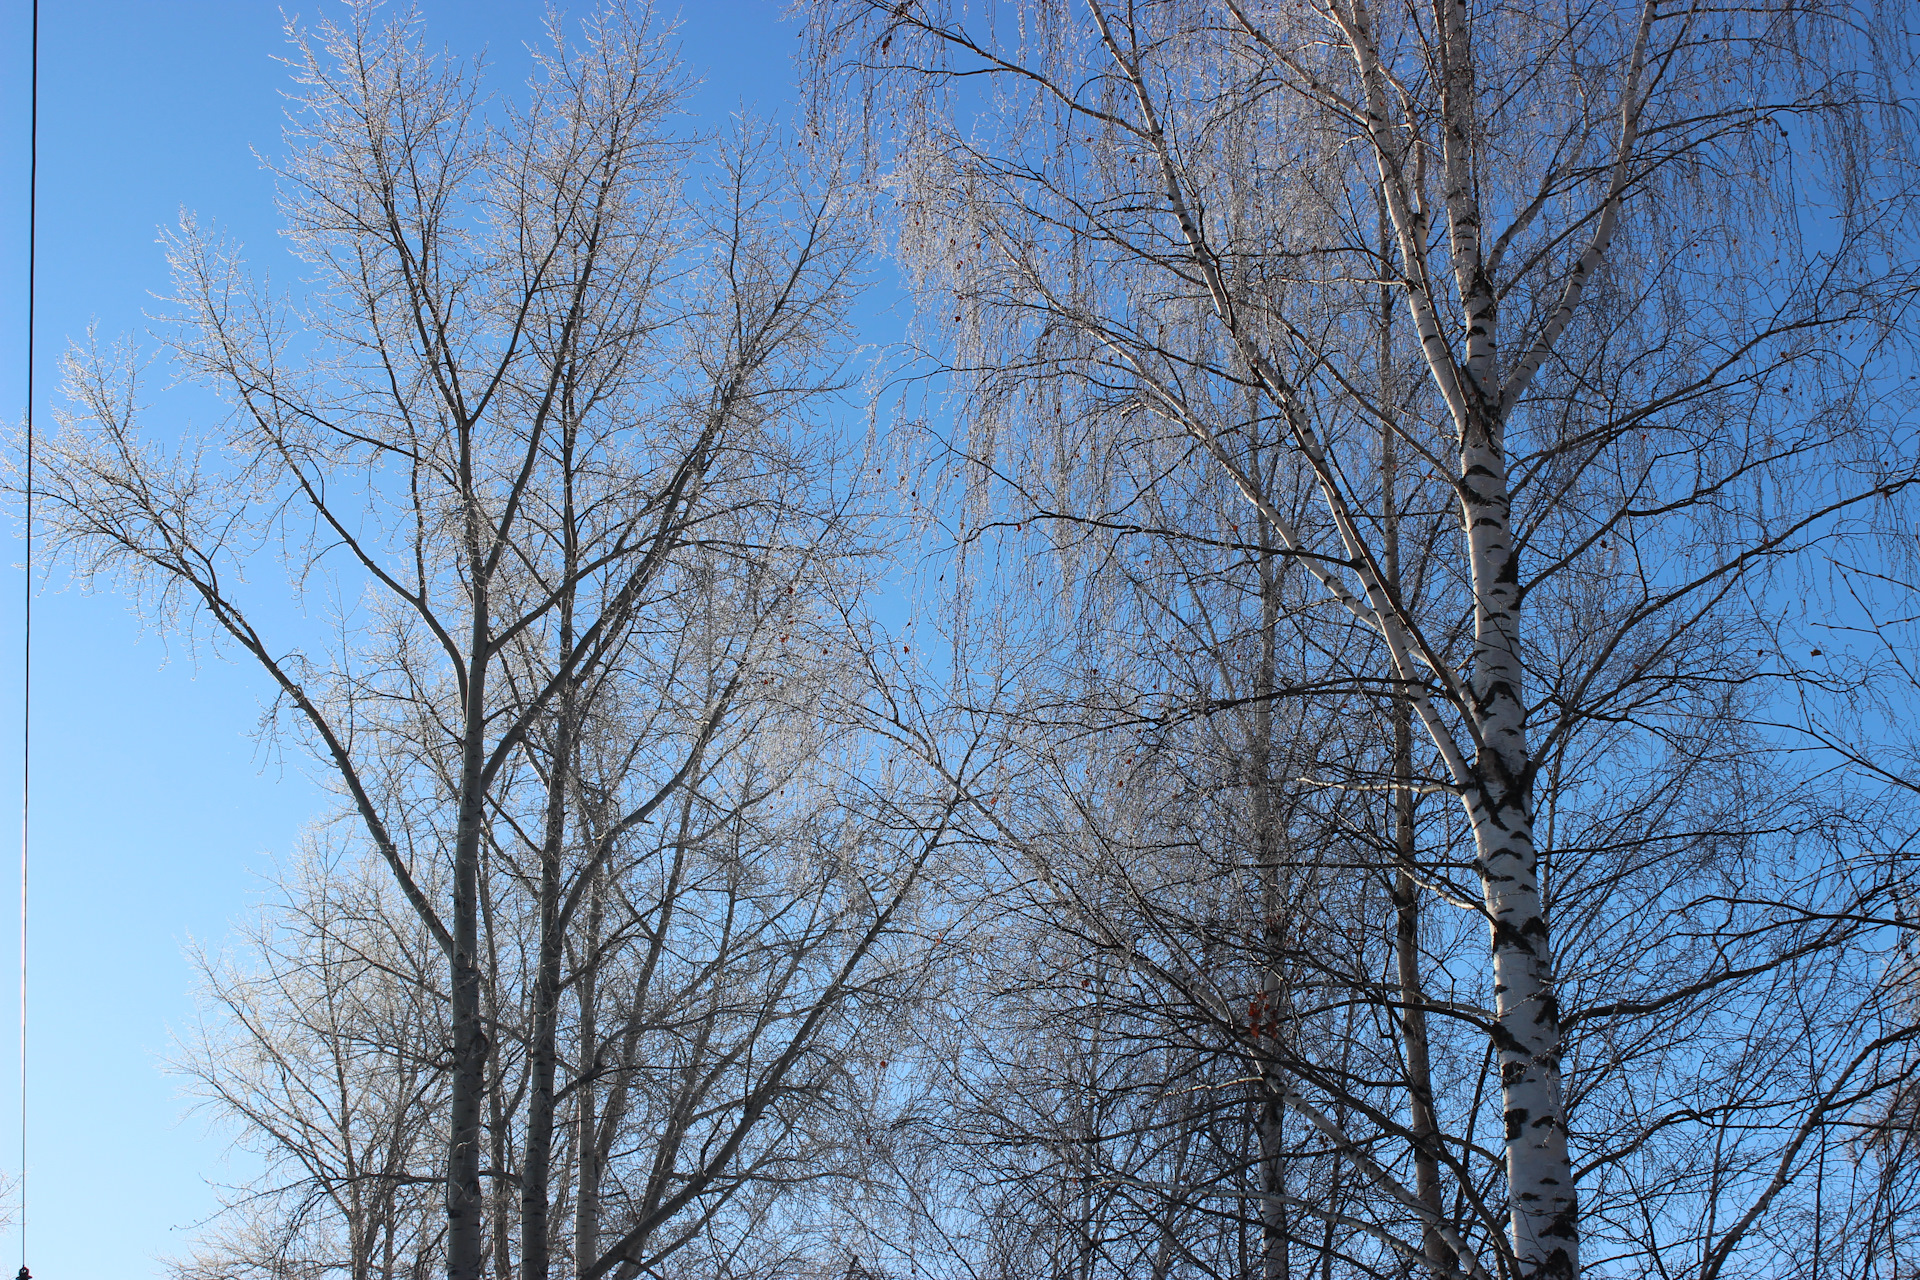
(1620, 355)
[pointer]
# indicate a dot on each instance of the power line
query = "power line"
(26, 657)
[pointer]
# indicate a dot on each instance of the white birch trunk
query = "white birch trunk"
(1543, 1213)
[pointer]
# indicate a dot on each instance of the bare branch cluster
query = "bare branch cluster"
(1418, 776)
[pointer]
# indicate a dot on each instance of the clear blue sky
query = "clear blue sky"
(152, 813)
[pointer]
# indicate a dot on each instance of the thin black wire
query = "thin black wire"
(26, 659)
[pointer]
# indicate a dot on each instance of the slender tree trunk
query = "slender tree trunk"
(1413, 1015)
(1498, 794)
(1276, 1231)
(465, 1228)
(499, 1127)
(1406, 891)
(465, 1225)
(1543, 1214)
(536, 1171)
(1336, 1178)
(586, 1211)
(387, 1227)
(1527, 1036)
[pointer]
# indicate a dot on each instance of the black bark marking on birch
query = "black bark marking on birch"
(1514, 938)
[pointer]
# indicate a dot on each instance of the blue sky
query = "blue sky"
(152, 812)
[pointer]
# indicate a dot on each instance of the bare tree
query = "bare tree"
(1622, 391)
(537, 436)
(728, 984)
(325, 1043)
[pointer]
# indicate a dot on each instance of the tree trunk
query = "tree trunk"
(1527, 1038)
(586, 1195)
(536, 1172)
(465, 1228)
(1413, 1015)
(1406, 891)
(1276, 1231)
(536, 1169)
(1543, 1218)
